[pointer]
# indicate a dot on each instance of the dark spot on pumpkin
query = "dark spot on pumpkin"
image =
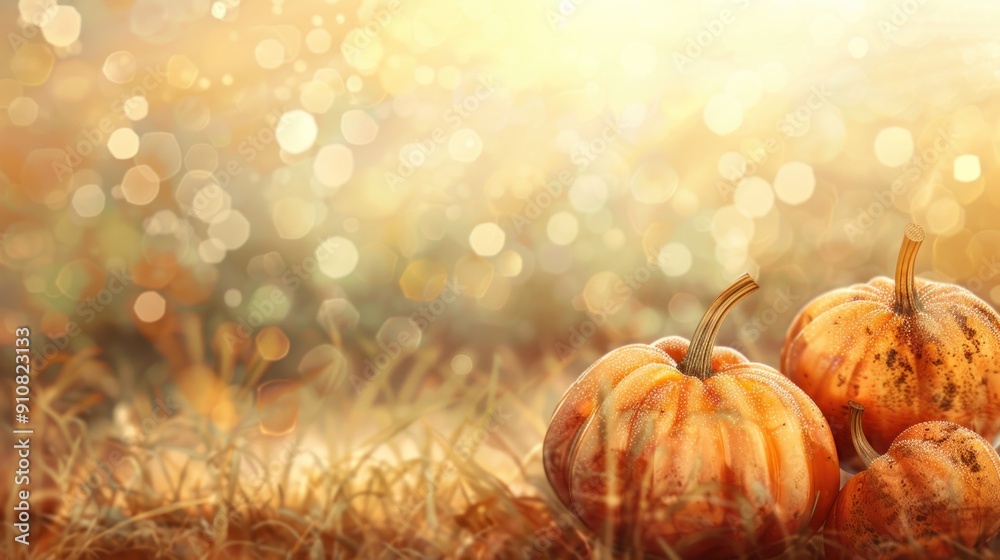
(963, 323)
(947, 432)
(906, 366)
(968, 356)
(948, 396)
(901, 379)
(868, 331)
(968, 458)
(890, 357)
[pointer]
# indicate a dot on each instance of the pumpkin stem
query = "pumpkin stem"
(861, 444)
(698, 360)
(906, 295)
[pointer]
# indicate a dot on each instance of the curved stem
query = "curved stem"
(698, 360)
(906, 295)
(861, 444)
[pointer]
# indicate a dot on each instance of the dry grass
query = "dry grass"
(415, 466)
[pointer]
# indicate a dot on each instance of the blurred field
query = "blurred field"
(447, 472)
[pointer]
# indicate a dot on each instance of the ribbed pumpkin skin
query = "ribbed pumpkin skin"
(938, 484)
(941, 362)
(730, 466)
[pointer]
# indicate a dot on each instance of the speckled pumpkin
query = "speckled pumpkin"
(909, 351)
(934, 493)
(691, 448)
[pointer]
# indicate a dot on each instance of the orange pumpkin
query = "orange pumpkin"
(691, 448)
(912, 350)
(934, 493)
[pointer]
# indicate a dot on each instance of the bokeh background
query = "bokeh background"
(316, 273)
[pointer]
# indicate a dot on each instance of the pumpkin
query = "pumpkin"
(912, 350)
(935, 492)
(685, 449)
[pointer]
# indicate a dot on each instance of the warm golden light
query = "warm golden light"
(321, 271)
